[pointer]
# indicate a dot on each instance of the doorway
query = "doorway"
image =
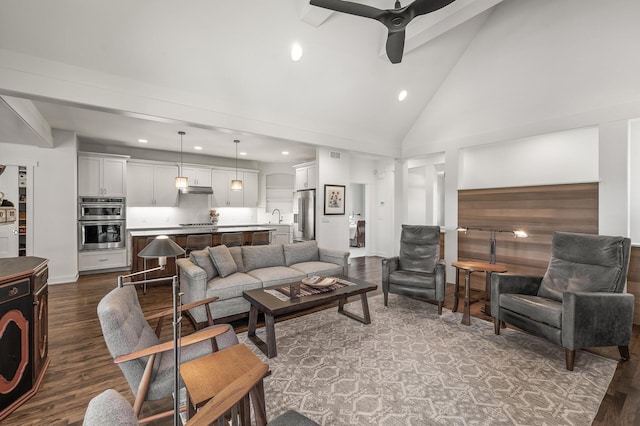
(357, 207)
(14, 194)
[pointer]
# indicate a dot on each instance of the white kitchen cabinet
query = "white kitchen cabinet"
(101, 259)
(198, 176)
(306, 177)
(224, 196)
(151, 185)
(101, 175)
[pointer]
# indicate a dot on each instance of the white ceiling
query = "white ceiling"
(231, 58)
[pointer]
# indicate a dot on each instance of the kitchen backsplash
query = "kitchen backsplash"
(192, 209)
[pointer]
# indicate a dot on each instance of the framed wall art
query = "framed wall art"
(334, 199)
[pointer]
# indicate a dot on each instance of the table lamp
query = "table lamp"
(492, 240)
(161, 248)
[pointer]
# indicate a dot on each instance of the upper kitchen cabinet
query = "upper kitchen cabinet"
(151, 185)
(224, 196)
(198, 176)
(101, 175)
(306, 176)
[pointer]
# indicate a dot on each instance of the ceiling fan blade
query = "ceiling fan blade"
(395, 46)
(422, 7)
(349, 7)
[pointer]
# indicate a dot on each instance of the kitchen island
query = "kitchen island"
(140, 237)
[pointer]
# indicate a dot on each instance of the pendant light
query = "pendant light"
(181, 181)
(236, 184)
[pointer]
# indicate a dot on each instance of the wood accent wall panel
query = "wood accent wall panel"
(537, 210)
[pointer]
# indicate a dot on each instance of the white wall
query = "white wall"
(331, 230)
(54, 199)
(634, 180)
(557, 158)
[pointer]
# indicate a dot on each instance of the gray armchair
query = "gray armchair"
(579, 302)
(146, 363)
(417, 271)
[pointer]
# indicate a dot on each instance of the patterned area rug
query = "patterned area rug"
(413, 367)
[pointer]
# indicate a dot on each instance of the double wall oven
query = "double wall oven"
(101, 223)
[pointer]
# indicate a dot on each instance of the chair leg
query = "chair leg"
(440, 303)
(496, 326)
(624, 352)
(570, 355)
(386, 298)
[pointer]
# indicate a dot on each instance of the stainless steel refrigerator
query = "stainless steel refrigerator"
(304, 215)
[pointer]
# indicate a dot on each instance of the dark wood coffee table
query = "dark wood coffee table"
(271, 306)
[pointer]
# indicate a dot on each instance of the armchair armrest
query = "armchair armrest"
(441, 279)
(511, 283)
(198, 336)
(389, 265)
(591, 319)
(338, 257)
(169, 311)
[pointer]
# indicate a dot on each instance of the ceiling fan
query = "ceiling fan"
(394, 19)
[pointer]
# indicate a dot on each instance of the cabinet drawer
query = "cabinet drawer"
(14, 290)
(91, 260)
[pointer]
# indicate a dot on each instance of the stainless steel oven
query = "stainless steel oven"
(101, 223)
(100, 208)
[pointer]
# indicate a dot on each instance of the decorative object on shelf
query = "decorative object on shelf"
(236, 184)
(518, 233)
(161, 248)
(334, 199)
(214, 216)
(181, 181)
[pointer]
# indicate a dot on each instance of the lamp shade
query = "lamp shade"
(236, 184)
(162, 246)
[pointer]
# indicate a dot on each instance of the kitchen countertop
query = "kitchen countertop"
(190, 230)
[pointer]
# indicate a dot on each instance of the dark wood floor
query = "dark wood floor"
(82, 368)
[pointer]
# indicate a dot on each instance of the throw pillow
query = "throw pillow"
(223, 260)
(306, 251)
(202, 258)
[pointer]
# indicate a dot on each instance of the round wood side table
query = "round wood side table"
(470, 267)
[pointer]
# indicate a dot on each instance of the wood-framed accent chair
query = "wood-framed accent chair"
(147, 363)
(418, 270)
(579, 302)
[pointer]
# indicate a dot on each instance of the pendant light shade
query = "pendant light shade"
(236, 184)
(181, 181)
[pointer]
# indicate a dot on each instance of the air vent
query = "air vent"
(335, 155)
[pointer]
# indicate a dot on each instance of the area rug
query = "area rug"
(413, 367)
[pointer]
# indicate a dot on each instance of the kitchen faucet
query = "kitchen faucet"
(279, 217)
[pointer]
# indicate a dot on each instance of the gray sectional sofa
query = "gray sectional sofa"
(227, 272)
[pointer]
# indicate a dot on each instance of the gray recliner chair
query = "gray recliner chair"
(417, 271)
(579, 302)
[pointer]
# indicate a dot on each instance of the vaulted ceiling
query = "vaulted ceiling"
(116, 71)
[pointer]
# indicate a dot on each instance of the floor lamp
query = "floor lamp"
(161, 248)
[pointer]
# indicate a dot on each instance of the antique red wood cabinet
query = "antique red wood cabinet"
(23, 329)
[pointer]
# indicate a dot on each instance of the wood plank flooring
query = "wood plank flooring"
(81, 366)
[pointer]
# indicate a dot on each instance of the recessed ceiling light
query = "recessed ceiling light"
(243, 153)
(285, 152)
(402, 95)
(197, 148)
(143, 140)
(296, 52)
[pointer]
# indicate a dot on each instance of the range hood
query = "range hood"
(196, 190)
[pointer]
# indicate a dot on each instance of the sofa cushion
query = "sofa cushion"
(202, 258)
(539, 309)
(324, 269)
(223, 260)
(413, 279)
(231, 286)
(306, 251)
(256, 257)
(274, 275)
